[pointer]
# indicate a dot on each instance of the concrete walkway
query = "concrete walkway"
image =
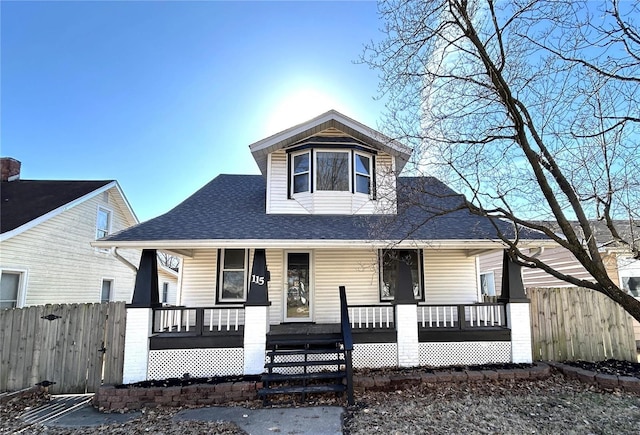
(318, 420)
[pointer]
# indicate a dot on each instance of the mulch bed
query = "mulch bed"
(609, 367)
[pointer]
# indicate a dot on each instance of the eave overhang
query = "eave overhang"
(330, 119)
(188, 245)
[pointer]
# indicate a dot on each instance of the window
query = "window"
(301, 172)
(103, 225)
(339, 170)
(632, 285)
(332, 171)
(10, 283)
(233, 275)
(389, 266)
(362, 169)
(165, 292)
(105, 294)
(487, 285)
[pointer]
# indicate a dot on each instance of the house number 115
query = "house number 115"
(257, 279)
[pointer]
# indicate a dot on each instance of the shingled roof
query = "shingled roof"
(26, 200)
(232, 207)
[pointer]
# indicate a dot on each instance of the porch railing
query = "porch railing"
(371, 316)
(198, 321)
(463, 316)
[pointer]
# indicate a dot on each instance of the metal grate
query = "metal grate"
(375, 355)
(198, 363)
(465, 353)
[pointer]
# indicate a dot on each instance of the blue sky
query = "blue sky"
(164, 96)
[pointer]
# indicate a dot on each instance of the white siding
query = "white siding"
(330, 202)
(173, 286)
(450, 278)
(61, 265)
(558, 258)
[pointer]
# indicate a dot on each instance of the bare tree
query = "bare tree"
(531, 109)
(169, 260)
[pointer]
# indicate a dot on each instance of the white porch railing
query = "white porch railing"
(199, 320)
(462, 316)
(371, 316)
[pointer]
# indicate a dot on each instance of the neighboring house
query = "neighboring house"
(622, 268)
(328, 210)
(167, 285)
(45, 244)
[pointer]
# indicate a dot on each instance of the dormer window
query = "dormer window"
(301, 172)
(331, 168)
(362, 168)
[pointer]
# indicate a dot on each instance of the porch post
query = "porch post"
(406, 318)
(518, 311)
(256, 315)
(139, 317)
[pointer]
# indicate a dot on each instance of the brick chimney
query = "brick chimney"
(10, 169)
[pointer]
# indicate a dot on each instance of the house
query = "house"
(46, 230)
(620, 265)
(328, 210)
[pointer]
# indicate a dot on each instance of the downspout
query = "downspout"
(114, 252)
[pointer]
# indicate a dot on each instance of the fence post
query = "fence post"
(136, 344)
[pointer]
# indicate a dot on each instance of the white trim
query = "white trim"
(53, 213)
(21, 297)
(315, 243)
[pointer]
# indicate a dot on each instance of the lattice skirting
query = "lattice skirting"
(199, 363)
(465, 353)
(374, 355)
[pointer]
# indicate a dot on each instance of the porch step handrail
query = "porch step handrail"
(347, 338)
(198, 320)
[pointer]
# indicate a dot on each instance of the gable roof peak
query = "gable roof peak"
(331, 119)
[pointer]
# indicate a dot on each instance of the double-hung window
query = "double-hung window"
(232, 284)
(103, 224)
(362, 169)
(106, 291)
(10, 285)
(301, 172)
(389, 262)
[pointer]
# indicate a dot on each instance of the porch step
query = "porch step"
(319, 365)
(279, 377)
(317, 351)
(329, 388)
(331, 362)
(302, 341)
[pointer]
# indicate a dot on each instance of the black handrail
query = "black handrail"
(347, 339)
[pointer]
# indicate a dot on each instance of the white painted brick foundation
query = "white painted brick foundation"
(407, 329)
(136, 345)
(255, 338)
(519, 320)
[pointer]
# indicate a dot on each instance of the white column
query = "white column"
(519, 320)
(136, 345)
(256, 326)
(407, 330)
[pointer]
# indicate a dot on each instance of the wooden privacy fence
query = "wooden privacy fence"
(570, 324)
(76, 346)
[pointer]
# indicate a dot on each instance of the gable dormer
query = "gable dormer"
(330, 165)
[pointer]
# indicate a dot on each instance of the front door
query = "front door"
(297, 291)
